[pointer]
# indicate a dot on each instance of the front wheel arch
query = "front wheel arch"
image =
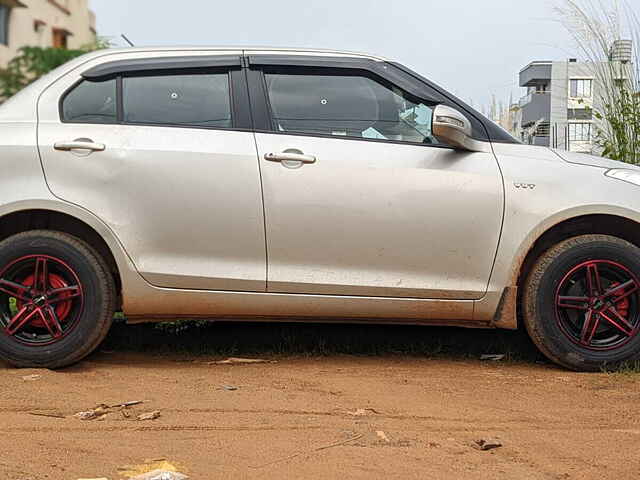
(596, 224)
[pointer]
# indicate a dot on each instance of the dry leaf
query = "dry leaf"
(486, 444)
(362, 411)
(236, 360)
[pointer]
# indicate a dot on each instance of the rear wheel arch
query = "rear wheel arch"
(44, 219)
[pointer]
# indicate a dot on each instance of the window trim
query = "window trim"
(377, 68)
(240, 117)
(266, 112)
(156, 64)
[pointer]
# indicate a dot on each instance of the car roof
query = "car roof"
(244, 48)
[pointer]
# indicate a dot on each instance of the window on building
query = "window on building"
(348, 106)
(4, 24)
(580, 88)
(60, 38)
(579, 114)
(201, 100)
(580, 132)
(91, 102)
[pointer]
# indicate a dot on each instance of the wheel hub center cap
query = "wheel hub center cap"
(39, 301)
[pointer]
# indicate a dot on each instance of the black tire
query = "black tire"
(87, 316)
(567, 285)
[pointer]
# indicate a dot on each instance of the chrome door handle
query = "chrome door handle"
(80, 144)
(289, 157)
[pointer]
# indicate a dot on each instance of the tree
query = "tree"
(598, 29)
(32, 63)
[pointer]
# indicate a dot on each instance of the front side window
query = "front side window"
(348, 106)
(91, 102)
(189, 100)
(4, 25)
(580, 88)
(580, 132)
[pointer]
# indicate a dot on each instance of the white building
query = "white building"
(44, 23)
(558, 109)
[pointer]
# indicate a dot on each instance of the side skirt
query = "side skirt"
(163, 304)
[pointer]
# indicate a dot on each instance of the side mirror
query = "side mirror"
(453, 128)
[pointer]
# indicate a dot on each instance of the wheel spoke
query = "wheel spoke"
(50, 320)
(576, 303)
(618, 321)
(594, 287)
(622, 289)
(41, 275)
(13, 289)
(591, 322)
(19, 320)
(61, 294)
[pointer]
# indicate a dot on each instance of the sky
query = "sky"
(472, 48)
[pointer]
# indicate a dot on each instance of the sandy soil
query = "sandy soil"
(299, 418)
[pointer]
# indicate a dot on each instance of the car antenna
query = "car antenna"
(127, 40)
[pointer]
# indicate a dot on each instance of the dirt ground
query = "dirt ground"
(317, 415)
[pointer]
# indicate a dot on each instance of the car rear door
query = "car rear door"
(159, 147)
(360, 199)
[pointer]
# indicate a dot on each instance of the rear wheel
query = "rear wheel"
(57, 299)
(581, 302)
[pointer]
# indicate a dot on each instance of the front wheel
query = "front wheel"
(57, 299)
(581, 302)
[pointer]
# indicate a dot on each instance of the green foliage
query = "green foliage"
(32, 63)
(620, 135)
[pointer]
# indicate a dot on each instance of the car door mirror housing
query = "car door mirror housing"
(453, 128)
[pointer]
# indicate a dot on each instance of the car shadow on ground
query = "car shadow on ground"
(303, 339)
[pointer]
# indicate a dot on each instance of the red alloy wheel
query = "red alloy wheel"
(597, 305)
(43, 300)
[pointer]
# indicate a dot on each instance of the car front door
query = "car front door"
(160, 150)
(360, 198)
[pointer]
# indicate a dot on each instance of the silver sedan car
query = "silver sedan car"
(284, 184)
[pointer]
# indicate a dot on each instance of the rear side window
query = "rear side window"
(190, 100)
(91, 102)
(346, 105)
